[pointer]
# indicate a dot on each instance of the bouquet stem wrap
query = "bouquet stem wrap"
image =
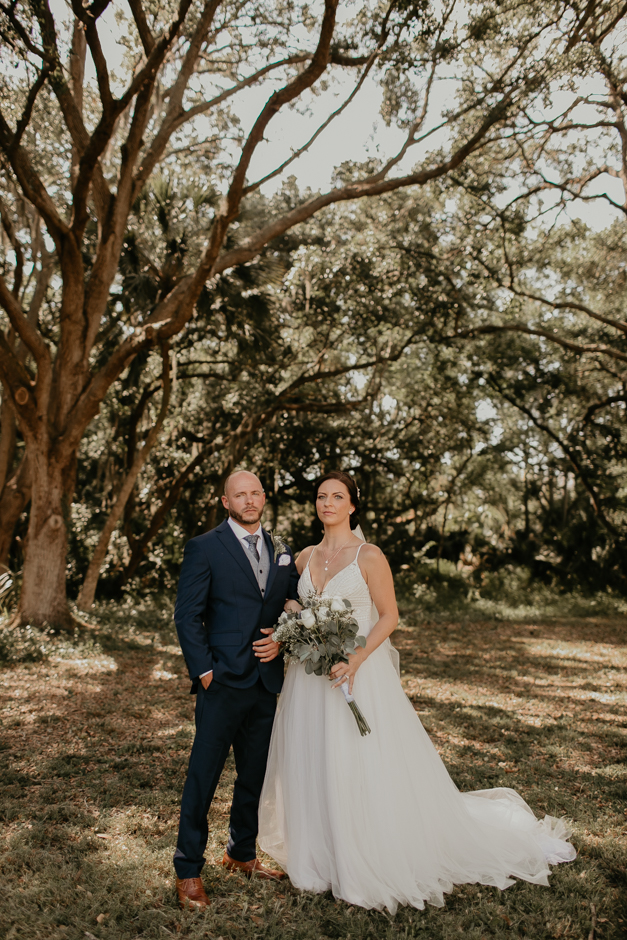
(362, 724)
(322, 635)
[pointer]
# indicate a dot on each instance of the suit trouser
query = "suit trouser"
(225, 716)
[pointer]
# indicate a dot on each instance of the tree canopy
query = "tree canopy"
(165, 317)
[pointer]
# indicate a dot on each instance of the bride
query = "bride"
(377, 820)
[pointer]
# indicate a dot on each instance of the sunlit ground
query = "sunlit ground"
(94, 750)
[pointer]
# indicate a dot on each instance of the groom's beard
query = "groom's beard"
(251, 518)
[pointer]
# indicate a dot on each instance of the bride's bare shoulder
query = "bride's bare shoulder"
(371, 555)
(370, 550)
(305, 553)
(303, 557)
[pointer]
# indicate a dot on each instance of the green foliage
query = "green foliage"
(383, 286)
(438, 341)
(23, 644)
(7, 590)
(450, 467)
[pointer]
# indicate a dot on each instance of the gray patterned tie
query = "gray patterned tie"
(252, 545)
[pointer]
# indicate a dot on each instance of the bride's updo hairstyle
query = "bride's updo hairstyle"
(351, 486)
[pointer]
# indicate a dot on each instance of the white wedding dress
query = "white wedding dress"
(377, 819)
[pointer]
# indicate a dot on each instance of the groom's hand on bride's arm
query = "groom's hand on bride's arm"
(293, 606)
(266, 650)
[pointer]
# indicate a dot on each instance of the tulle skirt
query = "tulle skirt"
(377, 819)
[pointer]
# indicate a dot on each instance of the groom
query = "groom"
(232, 589)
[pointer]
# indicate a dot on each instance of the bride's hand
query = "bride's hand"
(293, 606)
(342, 671)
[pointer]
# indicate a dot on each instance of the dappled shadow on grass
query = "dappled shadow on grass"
(95, 748)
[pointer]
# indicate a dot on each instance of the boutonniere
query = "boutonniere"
(278, 545)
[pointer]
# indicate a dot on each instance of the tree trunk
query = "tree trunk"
(43, 601)
(138, 547)
(13, 501)
(215, 507)
(526, 499)
(443, 531)
(88, 590)
(8, 439)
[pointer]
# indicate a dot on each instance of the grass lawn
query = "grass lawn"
(95, 740)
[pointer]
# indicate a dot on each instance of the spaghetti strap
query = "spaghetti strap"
(358, 551)
(309, 559)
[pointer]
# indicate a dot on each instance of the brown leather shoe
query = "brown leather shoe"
(254, 867)
(191, 893)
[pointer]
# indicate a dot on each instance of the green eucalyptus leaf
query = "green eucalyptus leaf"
(361, 640)
(309, 667)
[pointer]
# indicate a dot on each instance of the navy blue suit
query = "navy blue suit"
(220, 611)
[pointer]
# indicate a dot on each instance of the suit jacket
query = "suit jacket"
(220, 609)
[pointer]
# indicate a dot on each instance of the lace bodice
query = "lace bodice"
(348, 583)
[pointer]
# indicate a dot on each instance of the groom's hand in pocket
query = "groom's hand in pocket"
(266, 650)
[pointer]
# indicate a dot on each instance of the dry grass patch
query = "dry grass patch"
(95, 743)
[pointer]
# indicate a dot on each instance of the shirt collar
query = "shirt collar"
(241, 532)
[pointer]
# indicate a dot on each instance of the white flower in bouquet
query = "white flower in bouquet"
(308, 617)
(337, 605)
(323, 613)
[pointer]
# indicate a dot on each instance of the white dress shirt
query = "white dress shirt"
(242, 534)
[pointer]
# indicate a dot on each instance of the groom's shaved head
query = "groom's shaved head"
(244, 498)
(241, 477)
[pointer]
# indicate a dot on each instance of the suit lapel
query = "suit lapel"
(232, 544)
(273, 563)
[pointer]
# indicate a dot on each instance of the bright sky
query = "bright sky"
(357, 134)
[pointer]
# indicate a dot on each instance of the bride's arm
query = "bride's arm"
(376, 571)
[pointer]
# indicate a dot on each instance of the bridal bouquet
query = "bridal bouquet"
(321, 635)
